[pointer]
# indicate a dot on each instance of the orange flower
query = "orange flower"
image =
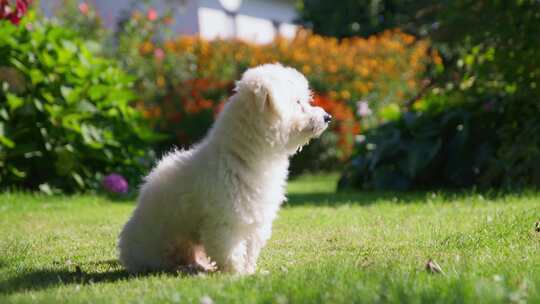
(387, 68)
(190, 106)
(146, 48)
(204, 104)
(137, 15)
(160, 81)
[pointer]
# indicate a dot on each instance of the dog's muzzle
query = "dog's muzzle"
(327, 118)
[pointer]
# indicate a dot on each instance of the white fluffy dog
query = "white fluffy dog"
(217, 201)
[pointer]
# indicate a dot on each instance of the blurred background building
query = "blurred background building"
(257, 21)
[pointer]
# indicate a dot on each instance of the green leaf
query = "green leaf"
(45, 188)
(120, 97)
(70, 46)
(64, 56)
(420, 154)
(510, 88)
(469, 60)
(36, 76)
(72, 121)
(38, 104)
(6, 142)
(69, 94)
(47, 96)
(65, 161)
(14, 102)
(3, 139)
(18, 173)
(65, 91)
(4, 114)
(92, 136)
(48, 60)
(86, 107)
(389, 178)
(78, 179)
(390, 112)
(97, 92)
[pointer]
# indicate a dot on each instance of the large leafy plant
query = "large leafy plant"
(491, 62)
(423, 150)
(65, 114)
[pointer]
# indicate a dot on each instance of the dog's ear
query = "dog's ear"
(262, 97)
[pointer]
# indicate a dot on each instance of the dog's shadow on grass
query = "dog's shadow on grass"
(351, 198)
(67, 275)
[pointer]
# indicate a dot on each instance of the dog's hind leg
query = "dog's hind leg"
(189, 257)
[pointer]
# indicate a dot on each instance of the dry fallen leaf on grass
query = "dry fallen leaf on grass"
(433, 267)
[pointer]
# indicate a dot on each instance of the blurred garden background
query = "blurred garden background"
(426, 94)
(424, 189)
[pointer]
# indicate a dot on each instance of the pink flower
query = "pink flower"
(362, 108)
(83, 8)
(5, 10)
(152, 14)
(159, 54)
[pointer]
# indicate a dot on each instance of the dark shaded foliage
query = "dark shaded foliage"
(491, 62)
(424, 150)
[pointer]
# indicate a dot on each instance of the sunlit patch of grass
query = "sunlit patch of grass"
(326, 247)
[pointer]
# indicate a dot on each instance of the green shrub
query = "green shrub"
(493, 58)
(422, 150)
(491, 72)
(503, 60)
(65, 114)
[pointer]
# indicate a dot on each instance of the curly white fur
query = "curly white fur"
(219, 198)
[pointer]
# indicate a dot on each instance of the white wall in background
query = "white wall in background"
(256, 20)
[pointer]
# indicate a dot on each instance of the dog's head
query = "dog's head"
(280, 98)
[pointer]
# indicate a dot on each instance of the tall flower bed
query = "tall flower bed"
(183, 82)
(381, 71)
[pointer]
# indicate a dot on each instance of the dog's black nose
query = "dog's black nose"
(327, 117)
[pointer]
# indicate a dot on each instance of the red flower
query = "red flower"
(6, 12)
(345, 126)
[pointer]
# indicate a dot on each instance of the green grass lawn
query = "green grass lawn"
(326, 247)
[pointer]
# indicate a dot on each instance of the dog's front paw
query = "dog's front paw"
(211, 266)
(197, 268)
